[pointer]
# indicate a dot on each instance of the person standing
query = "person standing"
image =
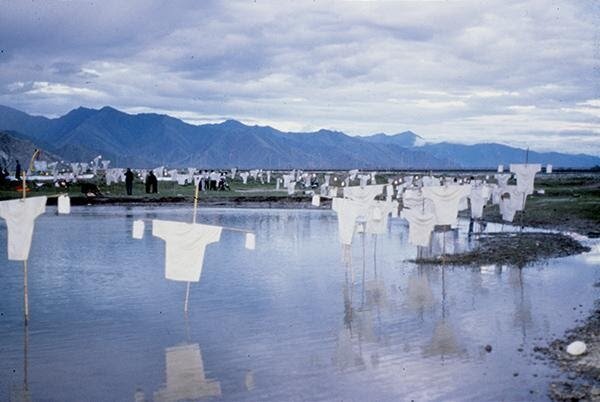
(129, 181)
(152, 181)
(149, 181)
(18, 171)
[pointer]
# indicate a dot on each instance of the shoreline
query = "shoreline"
(515, 249)
(582, 373)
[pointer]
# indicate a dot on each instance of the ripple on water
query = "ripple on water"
(287, 321)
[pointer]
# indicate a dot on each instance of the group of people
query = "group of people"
(151, 182)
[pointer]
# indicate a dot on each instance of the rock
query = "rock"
(488, 348)
(576, 348)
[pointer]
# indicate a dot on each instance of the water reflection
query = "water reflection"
(21, 392)
(185, 375)
(376, 327)
(444, 341)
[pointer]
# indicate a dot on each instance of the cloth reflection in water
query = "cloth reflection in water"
(185, 375)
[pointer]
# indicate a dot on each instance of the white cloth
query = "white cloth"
(378, 214)
(137, 231)
(20, 218)
(173, 174)
(291, 186)
(185, 246)
(502, 179)
(348, 211)
(316, 200)
(420, 226)
(363, 194)
(511, 201)
(277, 183)
(479, 196)
(389, 192)
(364, 179)
(548, 168)
(353, 174)
(183, 179)
(333, 191)
(105, 164)
(250, 241)
(64, 204)
(446, 200)
(431, 181)
(525, 176)
(244, 176)
(413, 199)
(500, 168)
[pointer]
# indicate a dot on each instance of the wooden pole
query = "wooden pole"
(187, 291)
(196, 191)
(25, 292)
(187, 297)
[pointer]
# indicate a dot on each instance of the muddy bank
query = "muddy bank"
(582, 373)
(517, 249)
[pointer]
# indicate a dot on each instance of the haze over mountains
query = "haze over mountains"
(145, 140)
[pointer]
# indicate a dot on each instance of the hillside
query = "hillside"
(150, 139)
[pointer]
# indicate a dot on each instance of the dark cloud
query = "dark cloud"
(463, 71)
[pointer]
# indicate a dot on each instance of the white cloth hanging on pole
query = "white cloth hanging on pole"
(511, 201)
(64, 204)
(185, 247)
(20, 218)
(291, 187)
(502, 179)
(363, 194)
(377, 216)
(446, 201)
(244, 176)
(138, 229)
(348, 211)
(548, 168)
(105, 164)
(364, 179)
(479, 196)
(420, 226)
(525, 176)
(250, 242)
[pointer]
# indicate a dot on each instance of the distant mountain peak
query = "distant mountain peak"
(232, 123)
(403, 139)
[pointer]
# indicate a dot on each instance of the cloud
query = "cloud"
(446, 70)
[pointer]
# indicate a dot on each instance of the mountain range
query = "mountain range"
(149, 139)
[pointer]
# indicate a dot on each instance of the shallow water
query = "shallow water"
(282, 322)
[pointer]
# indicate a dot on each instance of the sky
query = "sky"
(522, 73)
